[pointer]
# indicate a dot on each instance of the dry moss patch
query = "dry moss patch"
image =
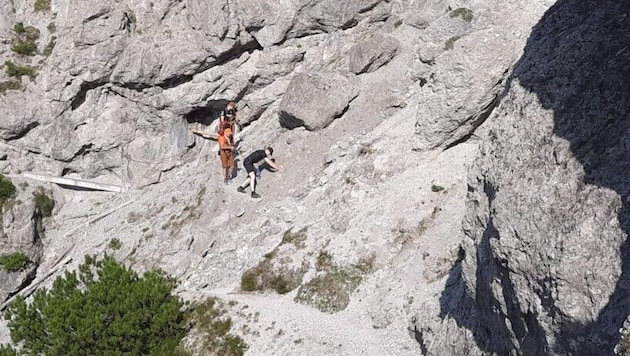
(330, 290)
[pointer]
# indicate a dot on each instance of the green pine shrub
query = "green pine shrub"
(14, 262)
(24, 47)
(104, 309)
(7, 190)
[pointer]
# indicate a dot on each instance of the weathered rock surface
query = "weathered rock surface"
(22, 231)
(368, 56)
(374, 164)
(545, 260)
(314, 100)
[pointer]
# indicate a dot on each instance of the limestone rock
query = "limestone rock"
(372, 54)
(314, 100)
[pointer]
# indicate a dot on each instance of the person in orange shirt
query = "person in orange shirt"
(226, 152)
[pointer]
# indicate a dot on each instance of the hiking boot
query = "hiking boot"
(240, 189)
(226, 181)
(255, 195)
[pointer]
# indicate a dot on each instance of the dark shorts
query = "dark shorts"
(249, 166)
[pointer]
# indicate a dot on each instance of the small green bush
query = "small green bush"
(7, 190)
(466, 14)
(450, 43)
(104, 309)
(9, 85)
(398, 23)
(265, 276)
(14, 262)
(6, 350)
(24, 47)
(43, 203)
(330, 290)
(14, 70)
(436, 188)
(52, 28)
(115, 244)
(19, 28)
(41, 5)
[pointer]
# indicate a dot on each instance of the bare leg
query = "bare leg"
(252, 180)
(228, 174)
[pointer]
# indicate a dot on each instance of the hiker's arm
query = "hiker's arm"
(272, 164)
(204, 134)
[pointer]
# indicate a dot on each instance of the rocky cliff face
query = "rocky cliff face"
(546, 255)
(474, 157)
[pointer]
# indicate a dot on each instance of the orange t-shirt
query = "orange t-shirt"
(224, 140)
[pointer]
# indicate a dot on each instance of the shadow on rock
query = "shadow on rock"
(577, 62)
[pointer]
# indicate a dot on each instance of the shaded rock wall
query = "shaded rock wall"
(546, 259)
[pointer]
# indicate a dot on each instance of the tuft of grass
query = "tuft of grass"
(50, 46)
(14, 262)
(43, 202)
(398, 23)
(7, 190)
(324, 261)
(9, 85)
(466, 14)
(296, 238)
(41, 5)
(52, 28)
(366, 150)
(19, 28)
(213, 326)
(450, 43)
(14, 70)
(24, 47)
(115, 244)
(265, 276)
(436, 188)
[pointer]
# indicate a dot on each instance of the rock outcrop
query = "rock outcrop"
(315, 100)
(375, 110)
(546, 260)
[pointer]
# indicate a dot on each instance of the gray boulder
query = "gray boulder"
(315, 100)
(425, 12)
(372, 54)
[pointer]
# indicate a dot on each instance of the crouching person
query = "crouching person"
(250, 163)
